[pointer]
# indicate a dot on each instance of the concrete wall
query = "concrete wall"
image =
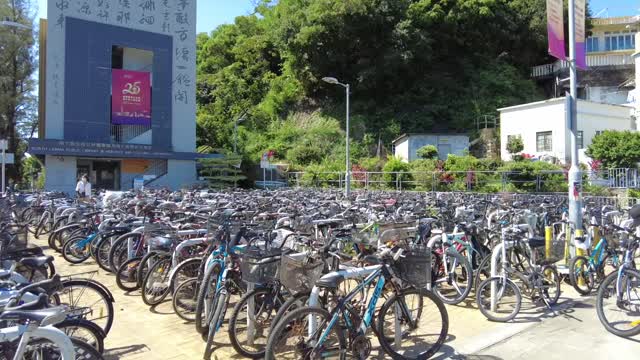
(408, 147)
(402, 149)
(179, 175)
(61, 173)
(173, 18)
(529, 119)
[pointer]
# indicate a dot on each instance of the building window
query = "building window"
(543, 141)
(593, 44)
(598, 132)
(619, 40)
(580, 139)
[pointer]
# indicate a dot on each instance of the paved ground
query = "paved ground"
(140, 332)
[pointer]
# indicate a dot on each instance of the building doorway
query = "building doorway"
(103, 174)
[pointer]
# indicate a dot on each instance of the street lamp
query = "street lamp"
(15, 24)
(334, 81)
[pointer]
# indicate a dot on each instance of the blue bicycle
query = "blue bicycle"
(412, 324)
(587, 272)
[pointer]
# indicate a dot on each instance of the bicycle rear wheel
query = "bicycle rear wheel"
(88, 300)
(581, 276)
(413, 325)
(620, 313)
(155, 287)
(453, 286)
(185, 298)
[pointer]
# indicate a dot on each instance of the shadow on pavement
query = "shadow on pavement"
(447, 352)
(119, 352)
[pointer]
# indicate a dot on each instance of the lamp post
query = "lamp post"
(334, 81)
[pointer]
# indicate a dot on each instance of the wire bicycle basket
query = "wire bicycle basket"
(414, 267)
(260, 266)
(299, 271)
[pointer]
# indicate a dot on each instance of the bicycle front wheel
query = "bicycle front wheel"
(413, 325)
(506, 299)
(620, 312)
(296, 336)
(454, 279)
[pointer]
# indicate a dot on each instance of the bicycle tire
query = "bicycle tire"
(105, 321)
(281, 330)
(128, 269)
(69, 252)
(186, 270)
(205, 293)
(506, 283)
(50, 350)
(390, 348)
(184, 300)
(162, 267)
(293, 302)
(102, 252)
(216, 319)
(466, 273)
(586, 277)
(603, 292)
(271, 308)
(145, 265)
(97, 334)
(118, 248)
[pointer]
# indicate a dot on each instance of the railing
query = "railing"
(123, 134)
(476, 181)
(593, 60)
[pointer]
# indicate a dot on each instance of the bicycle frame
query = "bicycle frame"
(26, 332)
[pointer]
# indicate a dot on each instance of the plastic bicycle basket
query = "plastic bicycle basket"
(299, 271)
(414, 267)
(260, 266)
(14, 237)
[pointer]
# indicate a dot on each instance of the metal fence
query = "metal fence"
(474, 181)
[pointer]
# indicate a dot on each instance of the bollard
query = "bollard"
(579, 252)
(548, 241)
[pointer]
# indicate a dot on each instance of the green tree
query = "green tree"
(17, 64)
(616, 149)
(427, 152)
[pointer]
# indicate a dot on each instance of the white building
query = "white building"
(407, 145)
(544, 131)
(610, 74)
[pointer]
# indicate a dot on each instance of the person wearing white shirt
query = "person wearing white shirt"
(83, 188)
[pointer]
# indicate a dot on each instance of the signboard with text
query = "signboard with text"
(130, 97)
(555, 28)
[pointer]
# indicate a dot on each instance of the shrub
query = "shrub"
(514, 145)
(427, 152)
(422, 172)
(525, 175)
(396, 165)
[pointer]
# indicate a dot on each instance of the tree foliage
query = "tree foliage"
(17, 64)
(413, 66)
(616, 149)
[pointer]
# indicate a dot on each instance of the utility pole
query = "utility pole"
(575, 178)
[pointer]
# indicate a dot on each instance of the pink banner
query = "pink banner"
(130, 97)
(581, 53)
(555, 28)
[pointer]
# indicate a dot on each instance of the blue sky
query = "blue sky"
(212, 13)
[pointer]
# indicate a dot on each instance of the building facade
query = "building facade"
(118, 93)
(611, 66)
(406, 146)
(542, 126)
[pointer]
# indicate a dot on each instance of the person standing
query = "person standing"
(83, 188)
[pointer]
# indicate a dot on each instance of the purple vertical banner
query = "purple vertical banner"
(581, 50)
(555, 28)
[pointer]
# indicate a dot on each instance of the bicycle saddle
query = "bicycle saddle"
(330, 281)
(536, 242)
(37, 261)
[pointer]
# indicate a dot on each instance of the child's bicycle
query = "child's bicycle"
(587, 272)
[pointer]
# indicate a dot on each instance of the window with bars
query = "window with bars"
(544, 141)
